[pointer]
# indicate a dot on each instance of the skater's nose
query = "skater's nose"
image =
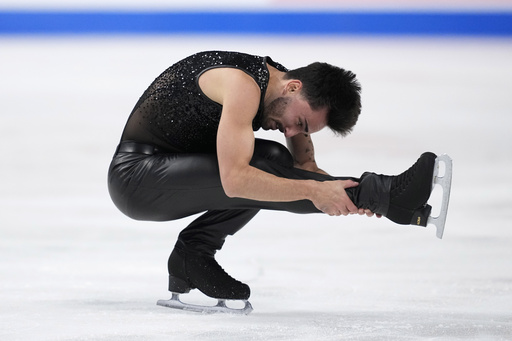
(290, 132)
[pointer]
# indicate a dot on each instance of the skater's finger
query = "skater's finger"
(349, 183)
(371, 214)
(368, 213)
(351, 208)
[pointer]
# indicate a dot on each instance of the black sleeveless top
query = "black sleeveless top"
(175, 115)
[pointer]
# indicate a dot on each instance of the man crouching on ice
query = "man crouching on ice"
(189, 147)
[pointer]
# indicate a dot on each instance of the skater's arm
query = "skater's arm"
(240, 96)
(235, 146)
(303, 151)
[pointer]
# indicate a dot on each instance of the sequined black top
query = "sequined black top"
(175, 115)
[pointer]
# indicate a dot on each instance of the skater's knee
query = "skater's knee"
(272, 151)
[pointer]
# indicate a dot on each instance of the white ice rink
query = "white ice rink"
(72, 267)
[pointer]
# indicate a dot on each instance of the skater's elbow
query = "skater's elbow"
(240, 182)
(230, 190)
(231, 184)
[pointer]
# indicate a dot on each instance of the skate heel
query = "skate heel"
(420, 216)
(178, 285)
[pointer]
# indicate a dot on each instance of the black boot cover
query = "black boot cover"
(189, 269)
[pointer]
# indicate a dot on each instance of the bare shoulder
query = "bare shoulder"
(222, 83)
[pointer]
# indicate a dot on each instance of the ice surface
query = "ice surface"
(73, 268)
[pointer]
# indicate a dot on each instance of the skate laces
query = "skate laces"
(214, 265)
(400, 182)
(414, 185)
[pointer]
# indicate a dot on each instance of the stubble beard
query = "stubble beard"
(273, 112)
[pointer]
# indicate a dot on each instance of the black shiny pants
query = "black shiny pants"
(146, 184)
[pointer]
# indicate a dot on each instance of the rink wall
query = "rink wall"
(324, 17)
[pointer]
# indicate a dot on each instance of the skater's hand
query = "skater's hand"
(332, 199)
(368, 213)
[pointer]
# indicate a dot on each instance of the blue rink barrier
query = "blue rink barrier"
(290, 23)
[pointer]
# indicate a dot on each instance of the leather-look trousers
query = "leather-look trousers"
(152, 185)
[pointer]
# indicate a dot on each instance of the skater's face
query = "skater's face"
(291, 114)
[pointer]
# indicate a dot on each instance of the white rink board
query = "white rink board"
(74, 268)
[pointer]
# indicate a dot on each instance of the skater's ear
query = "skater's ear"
(293, 86)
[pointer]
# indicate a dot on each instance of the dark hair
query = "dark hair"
(325, 85)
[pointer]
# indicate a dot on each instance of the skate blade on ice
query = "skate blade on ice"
(221, 307)
(445, 181)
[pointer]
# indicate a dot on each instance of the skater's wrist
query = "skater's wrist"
(312, 189)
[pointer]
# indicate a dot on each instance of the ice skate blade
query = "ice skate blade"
(221, 307)
(445, 182)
